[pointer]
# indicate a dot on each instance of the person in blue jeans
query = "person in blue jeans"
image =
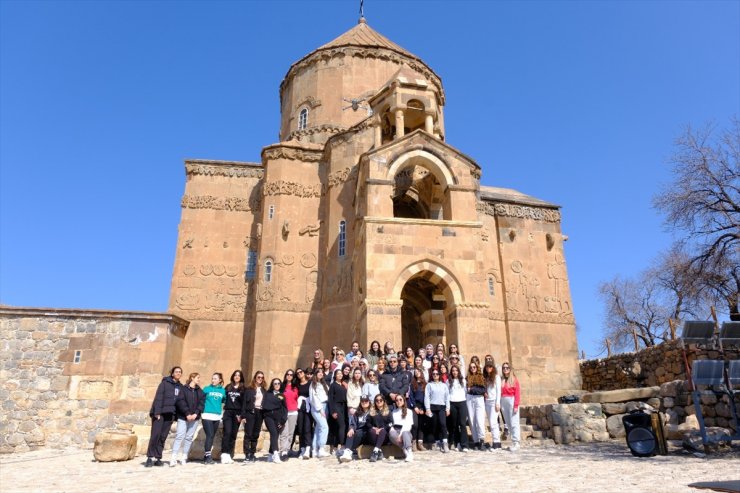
(318, 397)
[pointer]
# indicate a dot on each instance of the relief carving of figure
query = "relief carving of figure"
(311, 229)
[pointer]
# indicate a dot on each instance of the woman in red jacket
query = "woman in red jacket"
(289, 389)
(510, 399)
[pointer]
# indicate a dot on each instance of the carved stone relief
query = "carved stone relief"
(212, 292)
(282, 187)
(313, 294)
(311, 229)
(521, 211)
(291, 153)
(238, 204)
(234, 170)
(342, 176)
(525, 293)
(308, 260)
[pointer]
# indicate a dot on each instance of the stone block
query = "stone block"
(708, 399)
(111, 446)
(668, 402)
(621, 395)
(671, 389)
(614, 426)
(636, 405)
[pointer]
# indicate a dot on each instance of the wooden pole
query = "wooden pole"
(608, 348)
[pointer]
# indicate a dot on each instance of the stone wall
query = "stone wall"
(598, 417)
(651, 366)
(67, 374)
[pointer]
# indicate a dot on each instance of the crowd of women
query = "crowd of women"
(417, 400)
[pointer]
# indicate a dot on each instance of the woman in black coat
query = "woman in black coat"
(163, 414)
(275, 414)
(233, 415)
(337, 411)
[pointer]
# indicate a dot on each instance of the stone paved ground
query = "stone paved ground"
(605, 467)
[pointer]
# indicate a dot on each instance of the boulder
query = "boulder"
(621, 395)
(614, 426)
(716, 437)
(671, 389)
(677, 432)
(112, 446)
(611, 408)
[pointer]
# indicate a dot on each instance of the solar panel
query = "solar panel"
(697, 331)
(707, 372)
(729, 334)
(733, 374)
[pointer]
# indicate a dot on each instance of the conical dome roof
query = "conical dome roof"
(365, 36)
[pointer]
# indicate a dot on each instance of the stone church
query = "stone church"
(364, 223)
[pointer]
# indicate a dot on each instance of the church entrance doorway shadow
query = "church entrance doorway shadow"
(427, 312)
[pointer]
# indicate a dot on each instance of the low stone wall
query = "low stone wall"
(61, 372)
(651, 366)
(598, 417)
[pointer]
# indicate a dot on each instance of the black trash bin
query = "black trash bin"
(639, 434)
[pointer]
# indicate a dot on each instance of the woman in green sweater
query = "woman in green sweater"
(213, 411)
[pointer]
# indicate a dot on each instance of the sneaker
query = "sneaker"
(276, 458)
(183, 461)
(208, 460)
(251, 458)
(284, 456)
(409, 455)
(465, 450)
(346, 456)
(173, 462)
(226, 459)
(496, 446)
(374, 456)
(306, 454)
(514, 447)
(380, 455)
(158, 463)
(505, 434)
(420, 446)
(322, 453)
(445, 447)
(149, 462)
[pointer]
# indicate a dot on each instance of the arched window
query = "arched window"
(342, 238)
(268, 270)
(491, 285)
(303, 119)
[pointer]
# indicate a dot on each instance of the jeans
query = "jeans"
(210, 427)
(493, 421)
(477, 415)
(322, 427)
(400, 438)
(184, 436)
(439, 421)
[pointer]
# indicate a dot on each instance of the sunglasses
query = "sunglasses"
(435, 374)
(289, 374)
(505, 368)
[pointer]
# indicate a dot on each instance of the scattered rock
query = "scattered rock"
(615, 427)
(113, 446)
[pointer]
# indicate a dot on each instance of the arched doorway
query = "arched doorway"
(422, 313)
(429, 295)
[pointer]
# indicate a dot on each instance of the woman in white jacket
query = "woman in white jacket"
(318, 397)
(403, 420)
(493, 402)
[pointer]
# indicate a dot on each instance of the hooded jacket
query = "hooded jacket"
(190, 401)
(165, 397)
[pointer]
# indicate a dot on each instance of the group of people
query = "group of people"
(414, 399)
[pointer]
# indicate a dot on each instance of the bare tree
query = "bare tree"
(669, 289)
(704, 202)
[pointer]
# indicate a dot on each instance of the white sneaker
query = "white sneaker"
(183, 461)
(409, 455)
(322, 453)
(276, 458)
(514, 447)
(445, 446)
(306, 454)
(173, 462)
(346, 456)
(226, 459)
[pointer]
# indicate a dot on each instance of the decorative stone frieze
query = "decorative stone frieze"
(221, 203)
(520, 211)
(231, 169)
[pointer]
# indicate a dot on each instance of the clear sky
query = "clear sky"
(577, 103)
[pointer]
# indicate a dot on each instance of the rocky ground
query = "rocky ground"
(603, 467)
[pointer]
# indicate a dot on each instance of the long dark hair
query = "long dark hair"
(379, 352)
(489, 373)
(459, 377)
(254, 385)
(293, 382)
(418, 383)
(241, 380)
(405, 407)
(315, 380)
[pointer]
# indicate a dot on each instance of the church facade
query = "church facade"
(364, 223)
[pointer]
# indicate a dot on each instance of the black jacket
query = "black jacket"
(273, 405)
(249, 398)
(362, 422)
(396, 382)
(190, 401)
(165, 397)
(234, 399)
(380, 421)
(337, 398)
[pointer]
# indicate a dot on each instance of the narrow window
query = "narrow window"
(303, 119)
(268, 270)
(490, 285)
(271, 212)
(342, 238)
(251, 265)
(78, 357)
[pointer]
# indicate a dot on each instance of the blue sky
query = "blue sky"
(577, 103)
